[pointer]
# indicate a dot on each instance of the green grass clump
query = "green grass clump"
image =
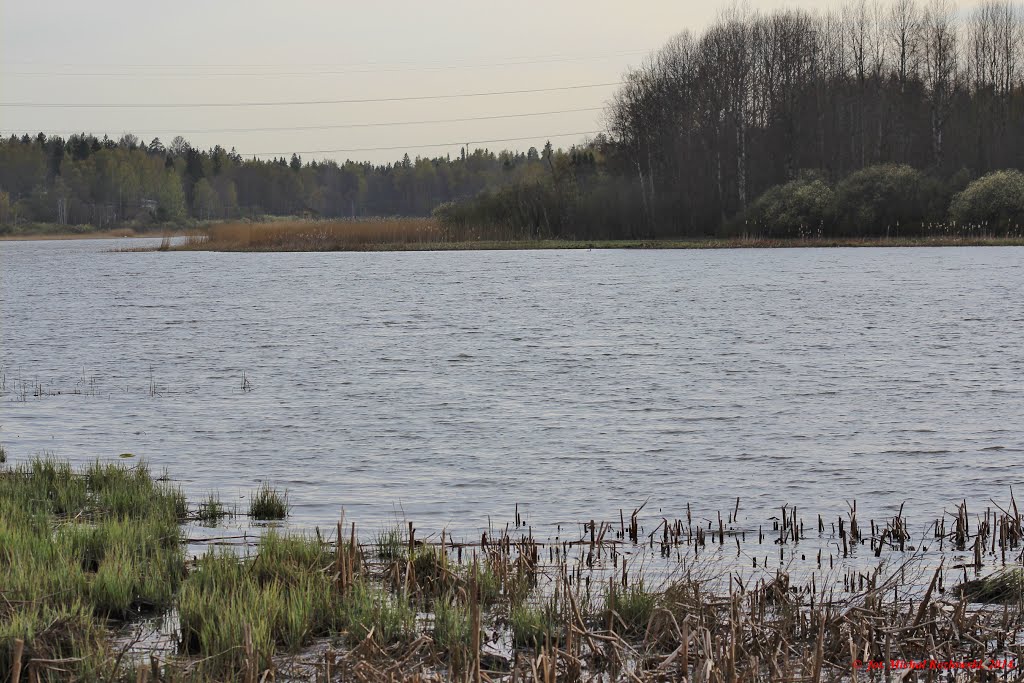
(78, 548)
(453, 630)
(284, 595)
(212, 510)
(1005, 587)
(630, 608)
(430, 568)
(390, 544)
(366, 608)
(452, 624)
(533, 624)
(267, 503)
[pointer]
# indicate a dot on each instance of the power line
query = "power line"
(436, 144)
(306, 72)
(349, 125)
(413, 64)
(182, 105)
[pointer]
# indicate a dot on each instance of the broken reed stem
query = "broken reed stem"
(19, 647)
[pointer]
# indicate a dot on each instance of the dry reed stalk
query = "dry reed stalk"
(19, 647)
(251, 665)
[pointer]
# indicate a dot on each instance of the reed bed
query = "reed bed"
(350, 235)
(640, 598)
(411, 234)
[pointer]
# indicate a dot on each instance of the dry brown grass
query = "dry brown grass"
(383, 234)
(300, 235)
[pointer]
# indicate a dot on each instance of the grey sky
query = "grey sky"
(244, 51)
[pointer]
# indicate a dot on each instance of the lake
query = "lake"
(449, 387)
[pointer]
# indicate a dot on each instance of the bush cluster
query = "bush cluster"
(888, 200)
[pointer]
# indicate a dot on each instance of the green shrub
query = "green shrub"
(880, 201)
(799, 208)
(995, 201)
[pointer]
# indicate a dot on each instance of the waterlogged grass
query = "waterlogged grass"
(534, 624)
(630, 609)
(370, 611)
(212, 510)
(431, 572)
(78, 549)
(1004, 587)
(452, 624)
(283, 597)
(390, 544)
(82, 551)
(267, 503)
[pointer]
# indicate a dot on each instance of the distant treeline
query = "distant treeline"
(871, 119)
(108, 183)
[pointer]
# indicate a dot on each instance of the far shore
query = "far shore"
(374, 241)
(125, 233)
(522, 245)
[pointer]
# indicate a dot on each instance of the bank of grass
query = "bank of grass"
(426, 234)
(79, 549)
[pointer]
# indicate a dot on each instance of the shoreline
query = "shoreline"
(668, 244)
(97, 235)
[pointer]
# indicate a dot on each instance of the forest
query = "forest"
(104, 183)
(868, 119)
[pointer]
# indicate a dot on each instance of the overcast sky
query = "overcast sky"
(244, 51)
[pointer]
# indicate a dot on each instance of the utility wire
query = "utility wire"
(408, 64)
(350, 125)
(183, 105)
(436, 144)
(308, 72)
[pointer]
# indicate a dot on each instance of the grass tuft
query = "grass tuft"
(367, 609)
(533, 624)
(630, 608)
(453, 625)
(212, 510)
(268, 503)
(1005, 587)
(390, 544)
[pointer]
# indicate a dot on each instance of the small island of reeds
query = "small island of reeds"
(427, 234)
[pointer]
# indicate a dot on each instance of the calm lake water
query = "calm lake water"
(447, 387)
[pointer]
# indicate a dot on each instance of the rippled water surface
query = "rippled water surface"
(451, 386)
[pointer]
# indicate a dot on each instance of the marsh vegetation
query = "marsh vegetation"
(87, 553)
